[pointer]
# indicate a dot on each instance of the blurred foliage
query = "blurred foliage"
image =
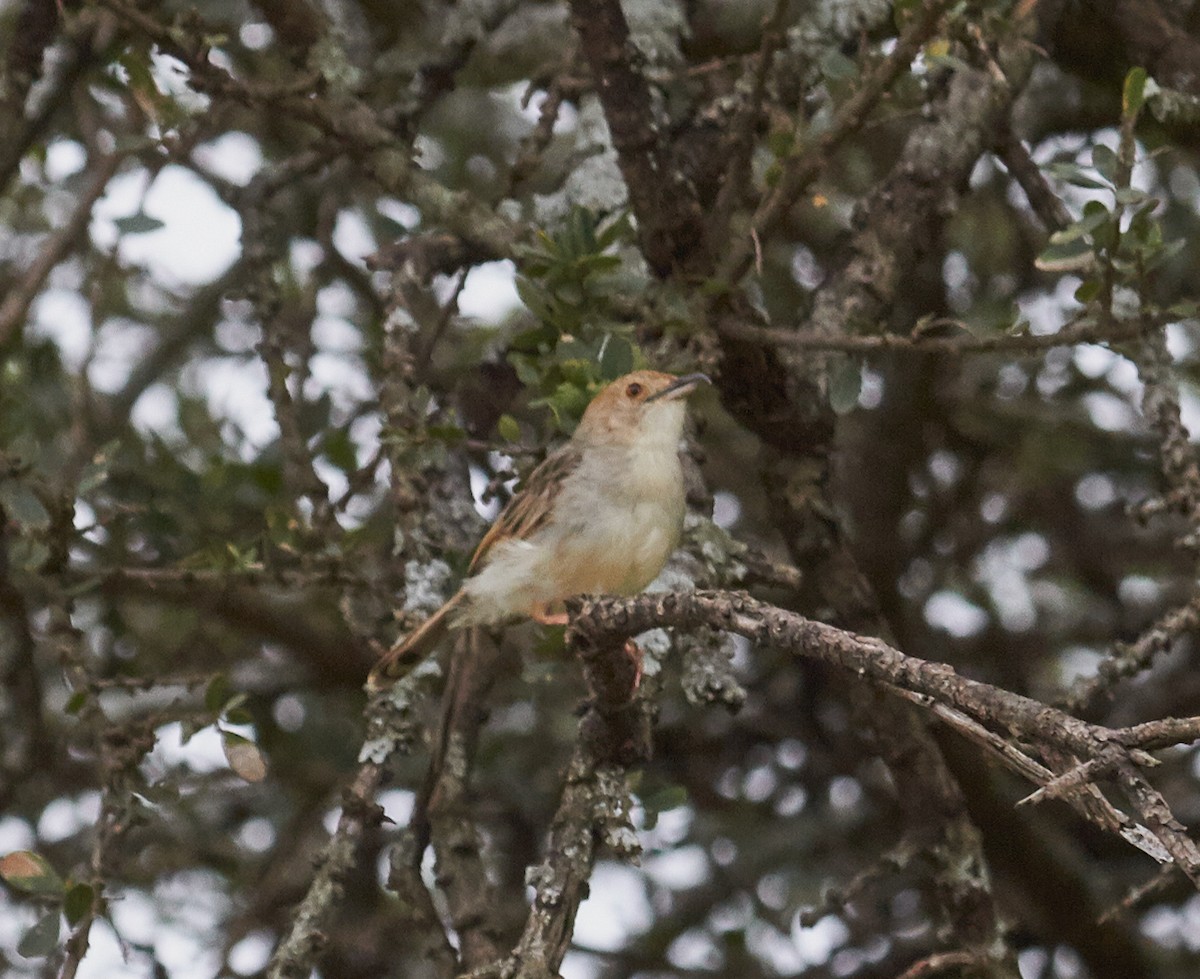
(579, 343)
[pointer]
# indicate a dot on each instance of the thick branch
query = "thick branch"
(670, 222)
(391, 728)
(296, 954)
(593, 814)
(604, 623)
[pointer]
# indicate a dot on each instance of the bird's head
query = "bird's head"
(640, 405)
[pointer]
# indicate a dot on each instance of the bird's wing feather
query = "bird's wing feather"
(530, 509)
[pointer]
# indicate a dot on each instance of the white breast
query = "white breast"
(616, 521)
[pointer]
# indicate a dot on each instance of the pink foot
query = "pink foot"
(634, 652)
(551, 618)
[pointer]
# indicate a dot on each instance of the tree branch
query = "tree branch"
(391, 728)
(1084, 331)
(603, 623)
(670, 222)
(58, 246)
(802, 167)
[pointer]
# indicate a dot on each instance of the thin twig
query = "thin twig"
(58, 245)
(800, 169)
(740, 142)
(939, 962)
(1129, 659)
(1046, 204)
(1069, 335)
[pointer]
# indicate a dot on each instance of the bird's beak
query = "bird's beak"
(681, 387)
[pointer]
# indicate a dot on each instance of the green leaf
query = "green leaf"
(138, 224)
(1133, 97)
(1088, 290)
(1073, 256)
(535, 299)
(234, 702)
(1157, 254)
(1106, 235)
(1105, 161)
(216, 693)
(76, 701)
(1074, 174)
(42, 938)
(31, 872)
(661, 800)
(189, 727)
(96, 472)
(1132, 197)
(448, 433)
(578, 374)
(570, 293)
(508, 428)
(617, 229)
(1094, 215)
(836, 67)
(576, 353)
(244, 757)
(23, 505)
(339, 450)
(616, 357)
(78, 902)
(30, 554)
(845, 384)
(134, 143)
(780, 142)
(136, 63)
(1187, 310)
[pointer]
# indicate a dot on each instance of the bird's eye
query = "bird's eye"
(634, 389)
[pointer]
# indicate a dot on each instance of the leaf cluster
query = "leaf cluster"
(569, 280)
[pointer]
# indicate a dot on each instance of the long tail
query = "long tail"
(472, 670)
(414, 647)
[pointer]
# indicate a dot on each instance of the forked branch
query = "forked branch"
(1027, 725)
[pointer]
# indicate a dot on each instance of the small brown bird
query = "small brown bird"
(600, 515)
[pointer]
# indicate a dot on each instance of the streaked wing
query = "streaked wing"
(529, 510)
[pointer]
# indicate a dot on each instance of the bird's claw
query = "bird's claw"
(634, 652)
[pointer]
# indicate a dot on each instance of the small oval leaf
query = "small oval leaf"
(24, 506)
(78, 902)
(1105, 161)
(216, 693)
(244, 757)
(30, 872)
(845, 385)
(137, 224)
(42, 938)
(508, 428)
(1134, 95)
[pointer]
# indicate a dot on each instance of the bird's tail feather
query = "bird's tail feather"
(411, 649)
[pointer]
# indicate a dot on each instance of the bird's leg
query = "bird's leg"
(550, 618)
(634, 652)
(631, 649)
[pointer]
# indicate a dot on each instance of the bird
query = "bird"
(600, 515)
